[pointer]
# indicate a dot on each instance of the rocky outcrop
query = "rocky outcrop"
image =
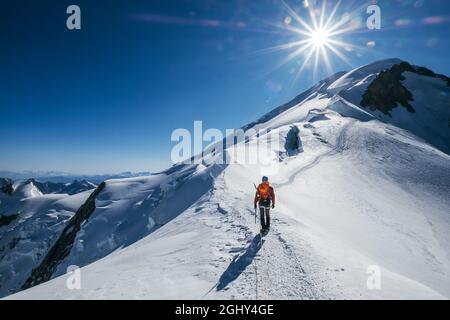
(64, 244)
(386, 92)
(293, 143)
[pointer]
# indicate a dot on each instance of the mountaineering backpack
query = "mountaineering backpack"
(264, 191)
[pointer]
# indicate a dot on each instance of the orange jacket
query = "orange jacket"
(271, 198)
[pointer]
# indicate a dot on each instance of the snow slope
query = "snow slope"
(129, 209)
(359, 193)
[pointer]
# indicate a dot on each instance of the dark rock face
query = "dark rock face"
(293, 143)
(387, 91)
(6, 186)
(5, 220)
(63, 245)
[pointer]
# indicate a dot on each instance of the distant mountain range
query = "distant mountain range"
(63, 177)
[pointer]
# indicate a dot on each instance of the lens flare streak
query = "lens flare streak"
(319, 36)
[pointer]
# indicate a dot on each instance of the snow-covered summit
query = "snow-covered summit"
(364, 92)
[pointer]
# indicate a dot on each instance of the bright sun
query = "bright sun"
(317, 38)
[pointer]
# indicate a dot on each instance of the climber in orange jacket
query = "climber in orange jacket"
(265, 197)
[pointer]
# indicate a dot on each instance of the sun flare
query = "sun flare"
(318, 38)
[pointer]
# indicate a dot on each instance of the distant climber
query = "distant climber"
(265, 197)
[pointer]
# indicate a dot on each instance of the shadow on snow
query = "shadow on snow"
(239, 264)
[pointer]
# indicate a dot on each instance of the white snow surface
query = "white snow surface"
(361, 193)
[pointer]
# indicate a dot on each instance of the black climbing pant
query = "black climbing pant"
(264, 213)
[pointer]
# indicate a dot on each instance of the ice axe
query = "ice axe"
(256, 209)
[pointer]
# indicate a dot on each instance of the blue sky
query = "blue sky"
(106, 98)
